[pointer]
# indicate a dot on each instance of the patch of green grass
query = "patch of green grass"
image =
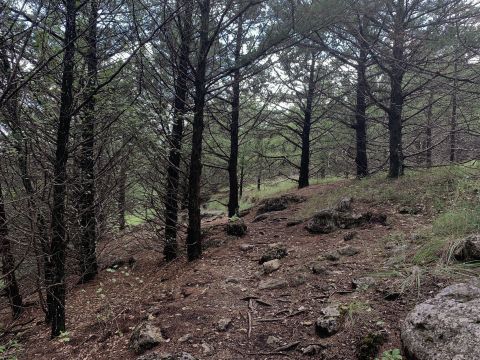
(135, 219)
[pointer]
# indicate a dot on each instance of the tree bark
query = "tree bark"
(303, 180)
(170, 250)
(88, 221)
(234, 127)
(122, 194)
(361, 159)
(396, 96)
(58, 243)
(8, 263)
(453, 117)
(194, 246)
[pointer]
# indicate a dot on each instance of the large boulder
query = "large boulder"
(446, 327)
(328, 220)
(468, 249)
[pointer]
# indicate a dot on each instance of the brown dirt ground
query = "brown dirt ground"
(190, 298)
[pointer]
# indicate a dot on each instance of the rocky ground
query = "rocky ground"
(280, 291)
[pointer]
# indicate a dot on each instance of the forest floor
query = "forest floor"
(187, 300)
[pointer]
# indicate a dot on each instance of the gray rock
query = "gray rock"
(260, 218)
(271, 266)
(144, 337)
(329, 322)
(344, 204)
(332, 256)
(319, 269)
(275, 251)
(246, 247)
(224, 324)
(207, 349)
(157, 356)
(311, 350)
(349, 235)
(445, 327)
(278, 203)
(273, 341)
(185, 338)
(270, 284)
(298, 280)
(349, 251)
(468, 249)
(236, 227)
(185, 356)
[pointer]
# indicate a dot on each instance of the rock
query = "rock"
(319, 269)
(468, 249)
(323, 222)
(271, 266)
(363, 283)
(236, 227)
(328, 220)
(349, 235)
(246, 247)
(232, 280)
(118, 263)
(410, 210)
(329, 322)
(185, 338)
(294, 223)
(207, 349)
(157, 356)
(145, 336)
(344, 204)
(278, 203)
(369, 346)
(275, 251)
(184, 356)
(446, 326)
(332, 256)
(224, 324)
(311, 350)
(273, 340)
(270, 284)
(298, 280)
(259, 218)
(348, 251)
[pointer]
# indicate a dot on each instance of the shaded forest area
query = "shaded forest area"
(128, 119)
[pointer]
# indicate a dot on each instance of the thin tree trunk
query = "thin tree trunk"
(453, 117)
(259, 180)
(242, 175)
(428, 132)
(88, 221)
(194, 246)
(122, 194)
(361, 159)
(234, 127)
(58, 243)
(170, 250)
(303, 180)
(8, 263)
(396, 97)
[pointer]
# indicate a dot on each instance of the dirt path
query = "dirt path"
(190, 298)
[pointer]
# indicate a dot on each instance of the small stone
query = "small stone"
(311, 350)
(273, 340)
(157, 356)
(232, 280)
(294, 223)
(328, 323)
(349, 235)
(332, 256)
(319, 269)
(275, 251)
(207, 349)
(185, 338)
(236, 227)
(271, 266)
(144, 337)
(344, 205)
(246, 247)
(224, 324)
(348, 251)
(185, 356)
(260, 217)
(271, 284)
(298, 280)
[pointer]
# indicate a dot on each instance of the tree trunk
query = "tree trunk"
(122, 194)
(453, 117)
(234, 128)
(58, 243)
(88, 258)
(8, 263)
(396, 97)
(428, 132)
(194, 246)
(242, 175)
(360, 114)
(303, 180)
(170, 250)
